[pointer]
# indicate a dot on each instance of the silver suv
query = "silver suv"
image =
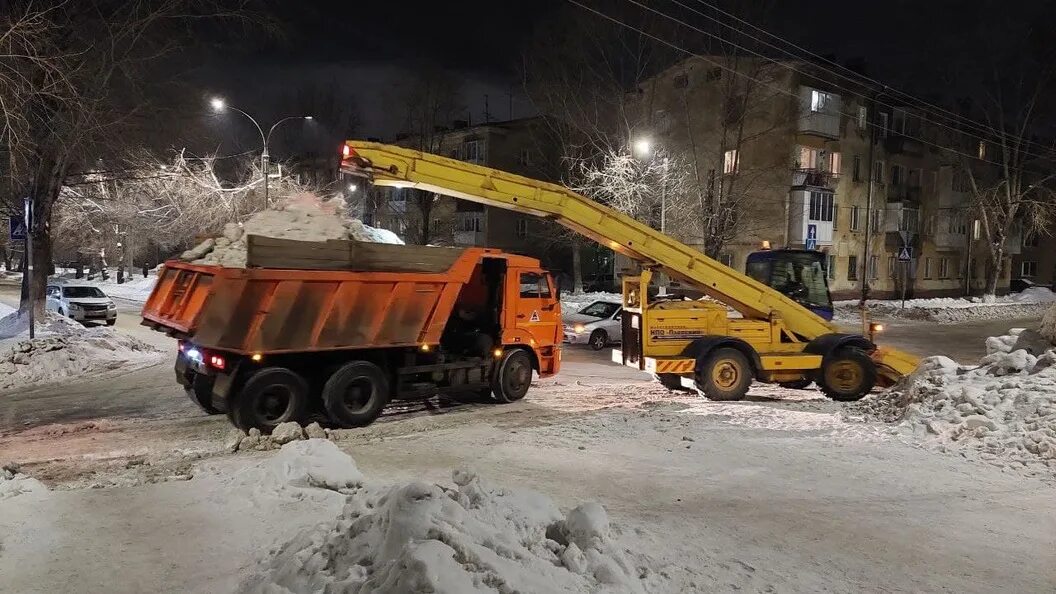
(81, 302)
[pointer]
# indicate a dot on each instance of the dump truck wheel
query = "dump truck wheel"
(355, 394)
(847, 374)
(201, 393)
(270, 396)
(598, 339)
(513, 377)
(796, 385)
(725, 375)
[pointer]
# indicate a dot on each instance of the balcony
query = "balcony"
(897, 144)
(813, 178)
(819, 113)
(903, 193)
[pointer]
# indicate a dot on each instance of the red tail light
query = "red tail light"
(217, 361)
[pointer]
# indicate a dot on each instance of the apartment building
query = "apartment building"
(820, 168)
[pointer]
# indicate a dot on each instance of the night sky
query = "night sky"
(370, 50)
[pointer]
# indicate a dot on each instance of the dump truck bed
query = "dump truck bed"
(265, 310)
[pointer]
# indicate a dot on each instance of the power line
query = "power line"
(934, 108)
(801, 72)
(764, 83)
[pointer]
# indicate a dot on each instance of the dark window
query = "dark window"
(534, 286)
(600, 309)
(821, 206)
(680, 81)
(82, 292)
(856, 171)
(1028, 269)
(713, 74)
(852, 267)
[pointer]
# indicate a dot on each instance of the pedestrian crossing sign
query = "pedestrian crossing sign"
(905, 254)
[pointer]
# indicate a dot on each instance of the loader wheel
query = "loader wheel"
(271, 396)
(355, 394)
(598, 339)
(511, 380)
(796, 385)
(201, 393)
(847, 374)
(724, 375)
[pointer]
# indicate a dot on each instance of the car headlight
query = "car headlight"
(579, 328)
(74, 306)
(111, 305)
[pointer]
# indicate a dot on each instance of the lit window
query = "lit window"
(982, 149)
(819, 101)
(731, 161)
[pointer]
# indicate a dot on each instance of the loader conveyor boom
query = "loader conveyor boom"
(388, 165)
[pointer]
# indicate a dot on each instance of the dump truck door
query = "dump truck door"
(531, 301)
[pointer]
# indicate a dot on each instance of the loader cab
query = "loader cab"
(798, 274)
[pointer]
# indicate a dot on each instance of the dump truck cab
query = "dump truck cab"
(270, 345)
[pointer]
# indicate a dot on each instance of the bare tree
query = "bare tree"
(1010, 172)
(96, 73)
(432, 103)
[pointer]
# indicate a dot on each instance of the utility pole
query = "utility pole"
(868, 209)
(28, 274)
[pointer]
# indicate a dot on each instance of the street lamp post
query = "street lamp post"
(644, 148)
(219, 105)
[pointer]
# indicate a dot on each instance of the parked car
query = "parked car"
(82, 302)
(597, 324)
(1018, 285)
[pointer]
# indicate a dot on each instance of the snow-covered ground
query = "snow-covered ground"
(1032, 301)
(61, 349)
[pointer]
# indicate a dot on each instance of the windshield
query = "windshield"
(82, 292)
(801, 277)
(600, 309)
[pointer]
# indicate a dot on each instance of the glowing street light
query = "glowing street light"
(643, 147)
(219, 105)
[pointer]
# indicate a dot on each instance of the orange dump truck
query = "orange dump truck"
(269, 345)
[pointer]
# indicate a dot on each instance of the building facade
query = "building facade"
(862, 181)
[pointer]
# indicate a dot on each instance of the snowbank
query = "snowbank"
(63, 348)
(1003, 411)
(304, 217)
(421, 537)
(573, 302)
(135, 289)
(1032, 301)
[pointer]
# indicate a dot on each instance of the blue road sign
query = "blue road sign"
(16, 228)
(905, 254)
(812, 237)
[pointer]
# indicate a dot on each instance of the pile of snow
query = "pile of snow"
(1048, 324)
(573, 302)
(63, 348)
(14, 483)
(1030, 302)
(304, 217)
(1002, 411)
(136, 288)
(421, 537)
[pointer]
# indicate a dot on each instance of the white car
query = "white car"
(597, 324)
(81, 302)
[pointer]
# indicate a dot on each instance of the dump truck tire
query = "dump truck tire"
(270, 396)
(725, 375)
(355, 394)
(847, 374)
(201, 393)
(513, 377)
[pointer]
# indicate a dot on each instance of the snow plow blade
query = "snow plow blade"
(893, 365)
